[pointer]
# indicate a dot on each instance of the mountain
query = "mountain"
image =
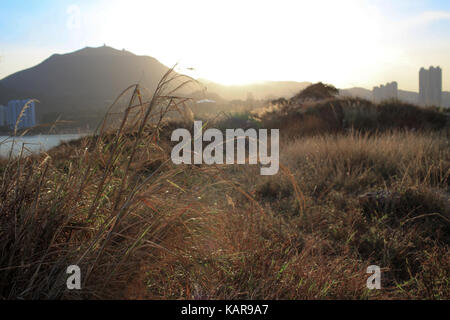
(81, 82)
(80, 85)
(7, 94)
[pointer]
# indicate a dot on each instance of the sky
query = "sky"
(346, 43)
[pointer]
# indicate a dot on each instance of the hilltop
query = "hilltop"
(81, 82)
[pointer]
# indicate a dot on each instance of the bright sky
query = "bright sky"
(347, 43)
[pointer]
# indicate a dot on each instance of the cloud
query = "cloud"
(74, 17)
(426, 18)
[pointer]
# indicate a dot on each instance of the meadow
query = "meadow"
(359, 184)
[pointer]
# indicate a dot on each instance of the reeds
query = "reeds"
(88, 205)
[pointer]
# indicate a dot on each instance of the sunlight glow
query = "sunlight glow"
(237, 42)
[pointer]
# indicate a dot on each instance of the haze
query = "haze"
(346, 43)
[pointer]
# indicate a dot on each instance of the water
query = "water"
(33, 144)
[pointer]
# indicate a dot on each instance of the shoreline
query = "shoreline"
(32, 133)
(36, 143)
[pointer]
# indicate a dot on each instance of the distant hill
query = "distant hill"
(357, 92)
(260, 90)
(85, 81)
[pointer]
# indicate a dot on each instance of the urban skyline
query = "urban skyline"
(430, 88)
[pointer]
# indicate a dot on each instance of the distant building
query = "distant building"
(430, 86)
(385, 92)
(2, 116)
(13, 111)
(205, 101)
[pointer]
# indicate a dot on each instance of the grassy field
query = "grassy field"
(368, 189)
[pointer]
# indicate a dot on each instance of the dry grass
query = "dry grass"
(90, 203)
(140, 227)
(264, 240)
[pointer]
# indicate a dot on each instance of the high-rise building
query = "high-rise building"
(385, 92)
(430, 86)
(2, 116)
(13, 110)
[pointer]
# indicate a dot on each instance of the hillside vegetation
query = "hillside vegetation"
(359, 184)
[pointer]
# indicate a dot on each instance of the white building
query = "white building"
(430, 86)
(13, 111)
(205, 101)
(385, 92)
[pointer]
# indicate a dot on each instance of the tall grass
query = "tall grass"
(326, 248)
(89, 203)
(260, 238)
(141, 227)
